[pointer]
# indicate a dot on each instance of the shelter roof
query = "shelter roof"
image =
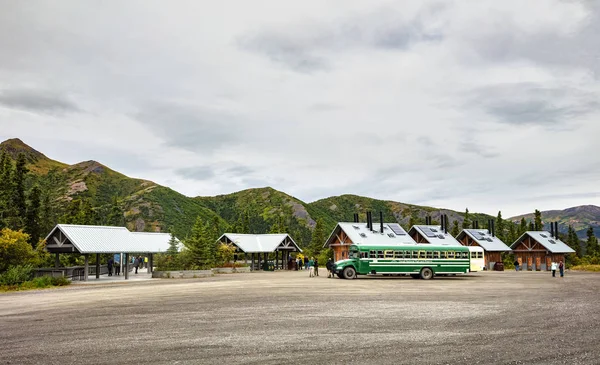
(254, 243)
(434, 235)
(358, 233)
(103, 239)
(544, 238)
(484, 239)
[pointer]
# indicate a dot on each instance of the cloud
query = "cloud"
(472, 147)
(189, 126)
(196, 173)
(38, 101)
(533, 104)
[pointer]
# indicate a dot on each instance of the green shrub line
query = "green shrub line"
(21, 278)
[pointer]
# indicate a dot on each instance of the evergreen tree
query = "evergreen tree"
(215, 231)
(33, 226)
(18, 200)
(5, 187)
(455, 229)
(591, 245)
(115, 216)
(173, 250)
(512, 234)
(573, 241)
(47, 214)
(538, 225)
(200, 246)
(318, 238)
(246, 222)
(467, 221)
(522, 227)
(500, 227)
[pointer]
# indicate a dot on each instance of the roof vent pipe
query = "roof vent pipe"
(552, 229)
(493, 228)
(442, 221)
(489, 226)
(446, 223)
(381, 221)
(556, 229)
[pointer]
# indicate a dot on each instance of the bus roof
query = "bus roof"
(412, 247)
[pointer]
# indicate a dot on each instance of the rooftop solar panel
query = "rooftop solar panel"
(397, 229)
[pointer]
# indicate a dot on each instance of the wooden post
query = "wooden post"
(97, 266)
(56, 260)
(126, 271)
(252, 266)
(245, 258)
(86, 267)
(150, 263)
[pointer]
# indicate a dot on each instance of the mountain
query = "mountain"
(581, 218)
(147, 206)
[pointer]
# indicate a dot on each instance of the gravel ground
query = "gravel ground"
(285, 317)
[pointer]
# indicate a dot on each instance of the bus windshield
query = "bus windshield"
(353, 254)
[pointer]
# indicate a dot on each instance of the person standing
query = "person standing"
(329, 267)
(553, 268)
(117, 268)
(298, 264)
(561, 268)
(311, 268)
(317, 266)
(136, 263)
(110, 266)
(146, 262)
(306, 264)
(517, 265)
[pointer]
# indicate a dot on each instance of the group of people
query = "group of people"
(312, 265)
(140, 262)
(560, 266)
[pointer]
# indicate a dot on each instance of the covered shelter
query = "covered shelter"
(536, 250)
(258, 245)
(87, 240)
(493, 247)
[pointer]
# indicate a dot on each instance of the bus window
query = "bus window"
(415, 254)
(429, 254)
(450, 254)
(397, 254)
(353, 254)
(379, 254)
(389, 254)
(465, 255)
(473, 255)
(373, 254)
(421, 254)
(364, 255)
(443, 255)
(479, 255)
(436, 254)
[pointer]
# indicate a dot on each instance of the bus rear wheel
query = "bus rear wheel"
(426, 273)
(349, 273)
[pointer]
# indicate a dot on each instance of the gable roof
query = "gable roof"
(156, 241)
(104, 239)
(545, 239)
(358, 233)
(435, 235)
(255, 243)
(484, 239)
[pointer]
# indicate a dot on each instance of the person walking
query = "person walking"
(110, 266)
(306, 265)
(561, 268)
(311, 268)
(136, 263)
(517, 265)
(146, 262)
(298, 264)
(317, 267)
(329, 267)
(553, 268)
(117, 268)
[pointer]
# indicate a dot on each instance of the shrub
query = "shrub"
(16, 275)
(60, 281)
(15, 250)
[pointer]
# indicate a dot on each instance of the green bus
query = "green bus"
(419, 261)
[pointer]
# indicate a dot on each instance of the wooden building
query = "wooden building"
(347, 233)
(536, 250)
(493, 247)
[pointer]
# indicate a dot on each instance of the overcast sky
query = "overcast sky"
(491, 105)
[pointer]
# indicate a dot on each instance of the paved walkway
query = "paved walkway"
(142, 275)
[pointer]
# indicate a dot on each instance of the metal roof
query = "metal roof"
(484, 239)
(552, 244)
(105, 239)
(156, 241)
(358, 233)
(260, 243)
(435, 235)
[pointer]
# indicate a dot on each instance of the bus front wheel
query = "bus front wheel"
(349, 273)
(426, 273)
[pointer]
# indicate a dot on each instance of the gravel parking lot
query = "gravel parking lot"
(286, 317)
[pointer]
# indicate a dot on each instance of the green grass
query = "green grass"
(594, 268)
(42, 282)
